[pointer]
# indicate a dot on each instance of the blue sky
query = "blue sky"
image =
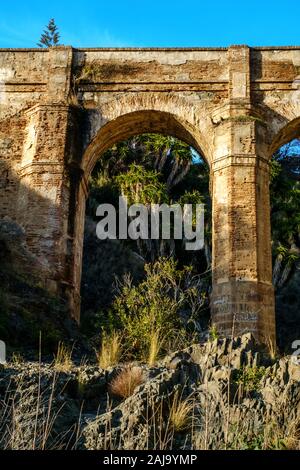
(144, 23)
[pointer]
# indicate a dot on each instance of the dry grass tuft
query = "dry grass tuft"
(63, 359)
(110, 352)
(125, 383)
(155, 347)
(181, 413)
(17, 359)
(271, 348)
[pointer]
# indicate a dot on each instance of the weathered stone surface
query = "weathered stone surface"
(14, 251)
(61, 108)
(240, 399)
(227, 412)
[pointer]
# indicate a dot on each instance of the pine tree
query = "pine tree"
(50, 36)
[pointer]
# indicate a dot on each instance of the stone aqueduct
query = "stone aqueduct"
(61, 108)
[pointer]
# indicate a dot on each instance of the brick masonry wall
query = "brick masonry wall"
(61, 108)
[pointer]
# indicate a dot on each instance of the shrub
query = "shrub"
(153, 305)
(249, 378)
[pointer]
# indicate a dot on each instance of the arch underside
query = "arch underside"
(136, 123)
(288, 133)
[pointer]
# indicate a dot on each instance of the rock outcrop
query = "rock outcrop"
(237, 396)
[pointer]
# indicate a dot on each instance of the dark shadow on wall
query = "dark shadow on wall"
(288, 312)
(28, 311)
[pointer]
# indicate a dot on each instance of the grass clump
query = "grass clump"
(181, 413)
(63, 358)
(213, 333)
(125, 383)
(110, 352)
(155, 346)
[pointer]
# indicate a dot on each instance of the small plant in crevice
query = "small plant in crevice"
(181, 413)
(249, 378)
(213, 333)
(16, 359)
(126, 381)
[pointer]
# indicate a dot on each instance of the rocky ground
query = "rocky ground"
(221, 394)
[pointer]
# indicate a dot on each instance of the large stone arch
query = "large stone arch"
(129, 115)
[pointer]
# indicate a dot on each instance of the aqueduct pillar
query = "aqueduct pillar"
(243, 295)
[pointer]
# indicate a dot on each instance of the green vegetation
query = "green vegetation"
(140, 303)
(147, 169)
(155, 305)
(213, 333)
(111, 350)
(285, 223)
(142, 186)
(152, 168)
(285, 216)
(50, 36)
(249, 378)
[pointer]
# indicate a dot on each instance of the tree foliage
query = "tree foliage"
(285, 215)
(155, 169)
(50, 36)
(141, 186)
(147, 169)
(166, 155)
